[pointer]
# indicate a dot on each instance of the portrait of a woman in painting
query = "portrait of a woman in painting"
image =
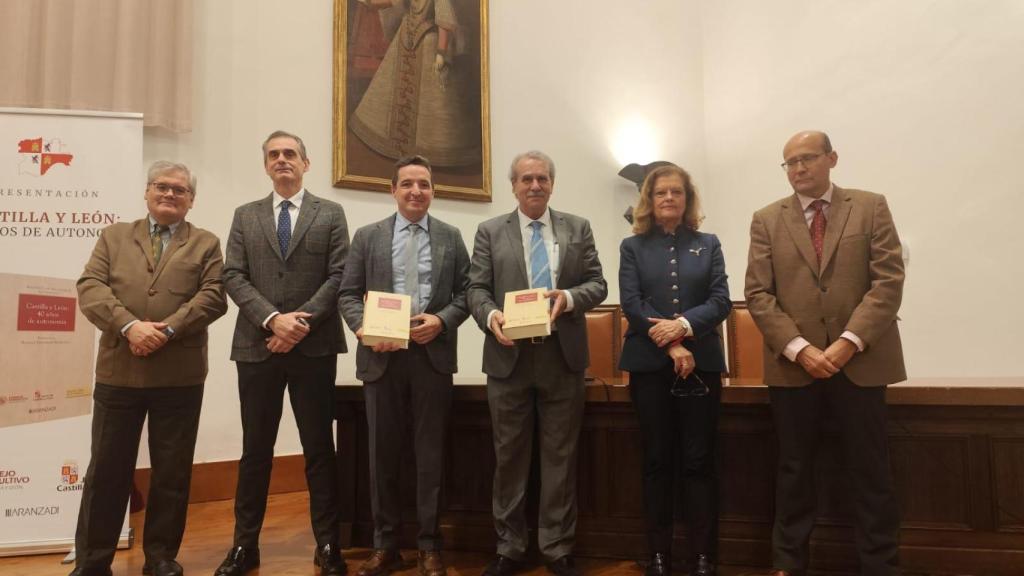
(413, 86)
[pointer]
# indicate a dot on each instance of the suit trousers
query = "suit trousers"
(409, 388)
(118, 416)
(860, 413)
(671, 427)
(540, 394)
(261, 386)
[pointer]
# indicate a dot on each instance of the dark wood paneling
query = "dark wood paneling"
(213, 481)
(958, 468)
(929, 470)
(1007, 472)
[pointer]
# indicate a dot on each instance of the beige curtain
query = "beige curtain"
(114, 55)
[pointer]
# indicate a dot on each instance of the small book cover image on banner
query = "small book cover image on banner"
(527, 314)
(386, 319)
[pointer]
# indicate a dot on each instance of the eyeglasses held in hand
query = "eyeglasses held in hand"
(692, 385)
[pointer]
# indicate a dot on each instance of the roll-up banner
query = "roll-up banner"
(64, 176)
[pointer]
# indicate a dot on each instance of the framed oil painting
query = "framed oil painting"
(411, 77)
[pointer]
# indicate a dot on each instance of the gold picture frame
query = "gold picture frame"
(411, 77)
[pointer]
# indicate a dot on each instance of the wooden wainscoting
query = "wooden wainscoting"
(217, 480)
(957, 454)
(958, 465)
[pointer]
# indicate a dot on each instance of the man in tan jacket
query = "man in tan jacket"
(152, 287)
(824, 282)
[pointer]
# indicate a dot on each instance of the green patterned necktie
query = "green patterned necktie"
(157, 239)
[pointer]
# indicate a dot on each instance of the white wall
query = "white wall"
(571, 80)
(922, 99)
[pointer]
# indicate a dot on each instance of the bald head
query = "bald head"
(814, 138)
(809, 158)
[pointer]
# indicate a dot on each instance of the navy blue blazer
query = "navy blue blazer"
(647, 289)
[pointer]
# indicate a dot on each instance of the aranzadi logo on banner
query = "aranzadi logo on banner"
(31, 511)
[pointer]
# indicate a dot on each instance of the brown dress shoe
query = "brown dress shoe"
(429, 563)
(779, 573)
(381, 563)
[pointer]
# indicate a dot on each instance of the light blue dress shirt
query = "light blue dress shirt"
(398, 241)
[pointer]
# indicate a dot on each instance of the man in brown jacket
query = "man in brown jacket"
(152, 287)
(824, 283)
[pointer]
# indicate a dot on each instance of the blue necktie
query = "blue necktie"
(284, 228)
(540, 266)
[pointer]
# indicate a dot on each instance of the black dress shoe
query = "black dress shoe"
(83, 571)
(563, 566)
(328, 559)
(163, 568)
(239, 561)
(659, 565)
(502, 566)
(703, 566)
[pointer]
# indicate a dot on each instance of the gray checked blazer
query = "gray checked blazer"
(369, 267)
(261, 280)
(499, 266)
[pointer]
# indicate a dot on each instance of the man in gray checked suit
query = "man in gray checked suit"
(285, 258)
(409, 252)
(535, 380)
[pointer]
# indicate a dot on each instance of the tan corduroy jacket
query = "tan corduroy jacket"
(121, 283)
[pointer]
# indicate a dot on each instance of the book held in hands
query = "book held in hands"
(527, 314)
(386, 319)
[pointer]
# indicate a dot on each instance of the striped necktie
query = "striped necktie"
(540, 265)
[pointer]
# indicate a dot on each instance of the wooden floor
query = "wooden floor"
(286, 548)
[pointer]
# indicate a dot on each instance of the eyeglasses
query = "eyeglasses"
(806, 159)
(163, 188)
(692, 385)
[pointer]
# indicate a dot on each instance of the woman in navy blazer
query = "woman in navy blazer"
(674, 293)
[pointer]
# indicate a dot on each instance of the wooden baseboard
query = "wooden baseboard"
(217, 480)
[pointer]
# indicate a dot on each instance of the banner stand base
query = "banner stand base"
(126, 541)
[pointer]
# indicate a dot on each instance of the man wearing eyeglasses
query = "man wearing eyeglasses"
(285, 258)
(824, 283)
(152, 287)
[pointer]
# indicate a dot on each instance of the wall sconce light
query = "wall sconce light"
(636, 173)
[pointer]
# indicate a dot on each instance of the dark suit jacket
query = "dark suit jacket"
(120, 283)
(858, 288)
(261, 280)
(369, 267)
(499, 266)
(645, 289)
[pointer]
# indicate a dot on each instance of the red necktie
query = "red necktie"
(818, 227)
